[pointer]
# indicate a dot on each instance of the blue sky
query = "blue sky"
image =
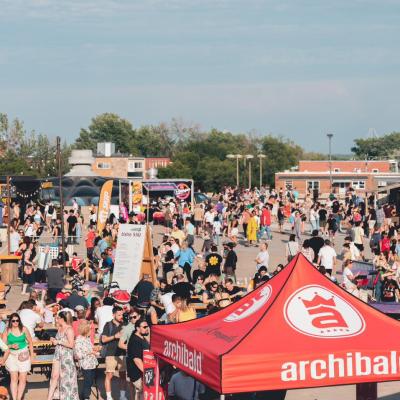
(298, 68)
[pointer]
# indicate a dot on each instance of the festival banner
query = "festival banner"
(104, 205)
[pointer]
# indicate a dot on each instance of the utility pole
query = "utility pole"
(330, 135)
(8, 188)
(61, 199)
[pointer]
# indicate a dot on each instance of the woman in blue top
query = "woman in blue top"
(186, 258)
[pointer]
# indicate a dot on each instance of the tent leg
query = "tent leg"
(222, 397)
(367, 391)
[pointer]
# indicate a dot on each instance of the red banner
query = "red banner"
(151, 377)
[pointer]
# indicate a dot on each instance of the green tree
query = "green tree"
(384, 146)
(106, 127)
(175, 170)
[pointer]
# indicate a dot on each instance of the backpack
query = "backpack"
(51, 210)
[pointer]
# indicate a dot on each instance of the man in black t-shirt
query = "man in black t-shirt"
(168, 263)
(213, 262)
(143, 291)
(316, 243)
(134, 356)
(71, 221)
(230, 259)
(390, 290)
(235, 292)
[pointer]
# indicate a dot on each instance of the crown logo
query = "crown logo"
(324, 314)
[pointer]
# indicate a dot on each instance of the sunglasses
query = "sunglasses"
(134, 316)
(145, 327)
(15, 320)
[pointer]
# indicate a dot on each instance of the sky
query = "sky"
(296, 68)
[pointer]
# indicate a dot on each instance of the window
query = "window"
(358, 184)
(336, 169)
(375, 171)
(138, 165)
(103, 165)
(289, 185)
(311, 185)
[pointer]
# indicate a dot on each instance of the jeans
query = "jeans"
(186, 269)
(267, 229)
(88, 379)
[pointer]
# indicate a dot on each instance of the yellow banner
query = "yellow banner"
(104, 205)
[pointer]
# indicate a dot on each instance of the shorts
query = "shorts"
(14, 365)
(115, 364)
(197, 223)
(359, 246)
(168, 224)
(138, 385)
(323, 223)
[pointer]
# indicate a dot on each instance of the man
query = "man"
(113, 354)
(327, 257)
(357, 233)
(265, 222)
(104, 313)
(168, 262)
(184, 387)
(80, 318)
(42, 262)
(143, 291)
(235, 293)
(30, 318)
(354, 251)
(76, 299)
(71, 222)
(178, 234)
(128, 330)
(316, 243)
(138, 342)
(262, 258)
(230, 260)
(55, 279)
(198, 216)
(89, 242)
(189, 231)
(213, 262)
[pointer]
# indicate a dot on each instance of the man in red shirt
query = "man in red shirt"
(265, 222)
(89, 241)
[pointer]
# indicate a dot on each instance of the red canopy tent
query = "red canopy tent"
(298, 330)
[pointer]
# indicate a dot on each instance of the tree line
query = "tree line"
(195, 153)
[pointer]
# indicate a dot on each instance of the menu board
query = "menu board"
(129, 255)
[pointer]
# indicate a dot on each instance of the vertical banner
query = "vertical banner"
(151, 377)
(129, 255)
(104, 205)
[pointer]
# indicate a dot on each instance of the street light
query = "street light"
(330, 135)
(238, 157)
(249, 157)
(261, 157)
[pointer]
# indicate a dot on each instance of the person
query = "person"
(208, 296)
(143, 291)
(19, 355)
(265, 222)
(357, 236)
(55, 279)
(390, 290)
(104, 313)
(15, 239)
(30, 319)
(349, 277)
(213, 262)
(327, 257)
(42, 262)
(63, 374)
(307, 251)
(230, 259)
(138, 342)
(183, 387)
(81, 319)
(316, 243)
(235, 292)
(115, 361)
(28, 277)
(127, 330)
(252, 227)
(185, 260)
(72, 222)
(189, 231)
(76, 299)
(86, 354)
(89, 242)
(292, 248)
(183, 288)
(262, 258)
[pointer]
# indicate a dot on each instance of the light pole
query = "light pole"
(261, 157)
(249, 157)
(330, 135)
(238, 157)
(58, 155)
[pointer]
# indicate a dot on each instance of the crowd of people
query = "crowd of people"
(198, 272)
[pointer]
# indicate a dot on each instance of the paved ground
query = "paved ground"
(37, 387)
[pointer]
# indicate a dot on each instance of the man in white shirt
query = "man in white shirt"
(30, 319)
(327, 257)
(262, 258)
(104, 313)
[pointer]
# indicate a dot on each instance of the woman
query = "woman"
(28, 277)
(94, 305)
(208, 296)
(18, 357)
(185, 260)
(86, 357)
(307, 251)
(252, 228)
(292, 248)
(79, 228)
(185, 312)
(63, 374)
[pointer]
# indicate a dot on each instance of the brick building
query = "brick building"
(364, 176)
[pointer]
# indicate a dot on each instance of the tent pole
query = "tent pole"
(222, 397)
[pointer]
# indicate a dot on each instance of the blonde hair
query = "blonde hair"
(84, 328)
